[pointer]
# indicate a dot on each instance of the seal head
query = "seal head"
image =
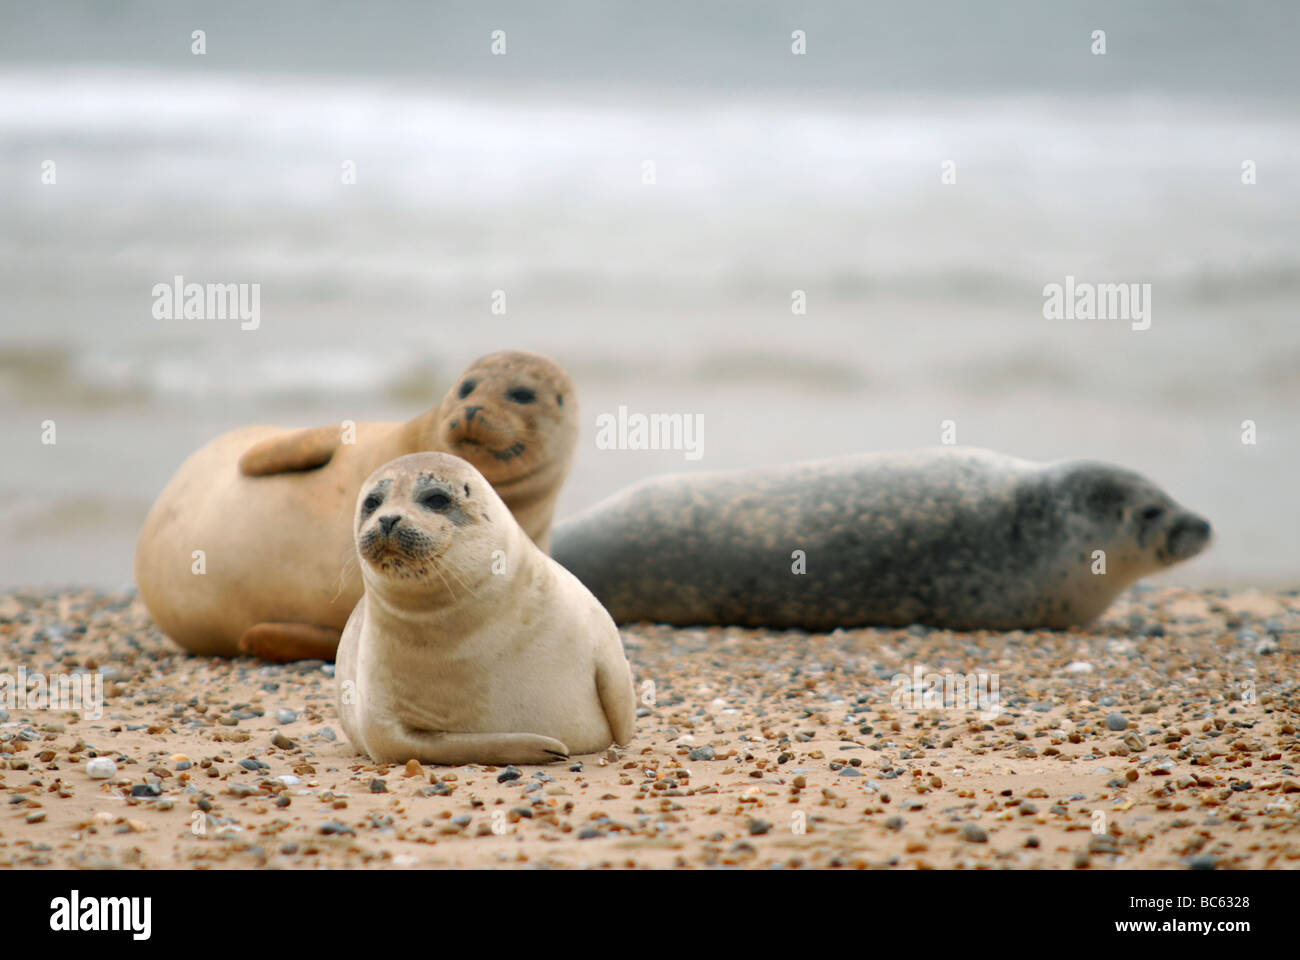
(512, 415)
(428, 522)
(1150, 529)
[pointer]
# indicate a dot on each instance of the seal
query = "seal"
(471, 645)
(249, 547)
(964, 539)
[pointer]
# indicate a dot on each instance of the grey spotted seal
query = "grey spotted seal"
(270, 509)
(965, 539)
(471, 645)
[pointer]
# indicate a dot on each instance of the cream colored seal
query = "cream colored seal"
(471, 645)
(250, 546)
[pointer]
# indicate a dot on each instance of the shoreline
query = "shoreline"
(760, 748)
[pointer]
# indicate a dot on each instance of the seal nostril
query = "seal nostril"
(387, 523)
(470, 411)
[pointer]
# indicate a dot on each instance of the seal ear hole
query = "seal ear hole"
(1104, 499)
(467, 388)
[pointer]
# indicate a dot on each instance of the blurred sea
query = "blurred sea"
(772, 173)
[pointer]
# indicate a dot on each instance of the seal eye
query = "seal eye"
(436, 501)
(371, 504)
(467, 388)
(522, 395)
(1152, 513)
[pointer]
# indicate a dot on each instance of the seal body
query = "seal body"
(966, 539)
(471, 645)
(253, 535)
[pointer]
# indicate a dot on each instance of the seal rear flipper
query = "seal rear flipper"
(300, 450)
(283, 642)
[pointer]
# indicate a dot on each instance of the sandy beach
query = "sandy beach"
(1163, 736)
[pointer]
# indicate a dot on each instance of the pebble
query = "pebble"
(284, 743)
(894, 823)
(1079, 666)
(509, 773)
(1117, 721)
(285, 716)
(378, 786)
(974, 833)
(702, 753)
(101, 768)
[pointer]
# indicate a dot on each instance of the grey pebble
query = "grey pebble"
(702, 753)
(974, 833)
(285, 715)
(1117, 721)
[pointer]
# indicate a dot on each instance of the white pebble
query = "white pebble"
(101, 768)
(1079, 666)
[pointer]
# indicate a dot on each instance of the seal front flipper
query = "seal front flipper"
(396, 743)
(283, 642)
(617, 697)
(300, 450)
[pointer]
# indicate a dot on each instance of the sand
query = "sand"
(817, 761)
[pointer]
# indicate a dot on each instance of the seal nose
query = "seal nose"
(1188, 536)
(387, 523)
(470, 411)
